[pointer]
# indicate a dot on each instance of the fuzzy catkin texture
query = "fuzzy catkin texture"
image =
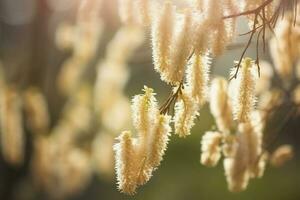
(144, 8)
(254, 143)
(219, 39)
(147, 150)
(284, 47)
(181, 48)
(126, 171)
(220, 105)
(236, 167)
(214, 11)
(186, 110)
(197, 78)
(12, 135)
(243, 91)
(200, 37)
(159, 140)
(161, 35)
(144, 112)
(210, 148)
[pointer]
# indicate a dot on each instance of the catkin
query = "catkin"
(153, 134)
(254, 140)
(158, 142)
(144, 11)
(243, 91)
(186, 110)
(220, 105)
(236, 167)
(180, 49)
(219, 39)
(210, 148)
(161, 34)
(144, 111)
(201, 38)
(197, 78)
(125, 155)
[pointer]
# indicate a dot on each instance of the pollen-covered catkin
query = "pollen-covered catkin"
(161, 34)
(284, 47)
(210, 148)
(158, 142)
(186, 110)
(181, 48)
(243, 91)
(144, 8)
(219, 39)
(197, 78)
(125, 155)
(144, 112)
(236, 167)
(153, 130)
(254, 141)
(220, 106)
(221, 30)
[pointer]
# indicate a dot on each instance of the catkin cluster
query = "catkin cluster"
(239, 135)
(181, 52)
(137, 157)
(241, 123)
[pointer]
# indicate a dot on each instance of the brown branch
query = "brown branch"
(249, 12)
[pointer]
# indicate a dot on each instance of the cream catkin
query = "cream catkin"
(254, 141)
(219, 39)
(125, 155)
(161, 34)
(281, 48)
(144, 112)
(210, 148)
(243, 91)
(159, 140)
(153, 134)
(186, 110)
(197, 78)
(220, 106)
(236, 167)
(181, 49)
(144, 11)
(201, 38)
